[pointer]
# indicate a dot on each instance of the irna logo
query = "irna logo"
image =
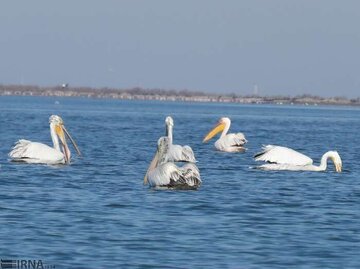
(25, 264)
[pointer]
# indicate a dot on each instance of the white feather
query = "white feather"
(227, 142)
(162, 173)
(231, 142)
(34, 152)
(170, 175)
(177, 153)
(282, 158)
(282, 155)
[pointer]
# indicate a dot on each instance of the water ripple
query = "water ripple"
(96, 213)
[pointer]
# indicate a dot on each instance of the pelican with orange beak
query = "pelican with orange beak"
(226, 142)
(35, 152)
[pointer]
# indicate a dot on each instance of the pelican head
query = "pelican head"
(219, 127)
(169, 121)
(169, 124)
(55, 119)
(57, 123)
(335, 157)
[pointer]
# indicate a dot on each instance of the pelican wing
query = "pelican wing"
(34, 152)
(231, 142)
(170, 176)
(236, 140)
(160, 176)
(282, 155)
(187, 176)
(177, 153)
(188, 154)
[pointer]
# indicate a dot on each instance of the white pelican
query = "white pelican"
(162, 173)
(226, 142)
(282, 158)
(34, 152)
(177, 153)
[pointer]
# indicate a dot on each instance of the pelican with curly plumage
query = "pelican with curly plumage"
(35, 152)
(177, 153)
(164, 174)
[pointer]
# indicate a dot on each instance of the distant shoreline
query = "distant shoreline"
(170, 95)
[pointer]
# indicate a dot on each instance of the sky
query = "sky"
(273, 47)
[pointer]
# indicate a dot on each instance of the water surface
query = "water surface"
(97, 214)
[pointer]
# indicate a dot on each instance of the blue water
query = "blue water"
(96, 213)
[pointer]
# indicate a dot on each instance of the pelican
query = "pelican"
(35, 152)
(226, 142)
(177, 153)
(164, 174)
(282, 158)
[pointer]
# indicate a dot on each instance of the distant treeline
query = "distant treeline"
(169, 95)
(88, 90)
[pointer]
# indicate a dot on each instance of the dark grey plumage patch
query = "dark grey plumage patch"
(187, 180)
(259, 154)
(20, 160)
